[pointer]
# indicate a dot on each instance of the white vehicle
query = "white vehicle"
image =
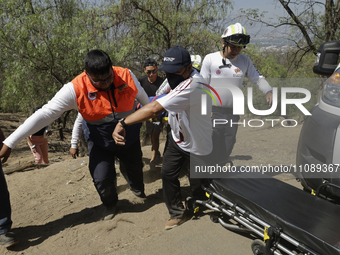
(318, 153)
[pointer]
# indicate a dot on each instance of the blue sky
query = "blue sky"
(263, 5)
(273, 7)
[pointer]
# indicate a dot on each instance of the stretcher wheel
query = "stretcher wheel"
(258, 247)
(214, 217)
(190, 204)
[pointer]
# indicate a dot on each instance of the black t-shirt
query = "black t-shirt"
(150, 88)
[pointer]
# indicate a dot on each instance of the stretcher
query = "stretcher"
(286, 219)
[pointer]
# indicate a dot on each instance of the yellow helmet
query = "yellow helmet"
(196, 61)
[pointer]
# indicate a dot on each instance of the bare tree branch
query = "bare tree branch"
(167, 35)
(299, 25)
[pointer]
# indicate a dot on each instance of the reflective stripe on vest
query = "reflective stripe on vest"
(98, 107)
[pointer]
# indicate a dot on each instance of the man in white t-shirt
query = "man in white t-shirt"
(191, 130)
(223, 69)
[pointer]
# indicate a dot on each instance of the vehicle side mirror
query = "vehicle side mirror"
(327, 58)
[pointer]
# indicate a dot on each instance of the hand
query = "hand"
(119, 134)
(74, 153)
(5, 152)
(269, 98)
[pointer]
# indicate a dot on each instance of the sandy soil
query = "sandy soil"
(56, 209)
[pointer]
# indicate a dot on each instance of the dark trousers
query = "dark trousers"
(102, 169)
(173, 159)
(224, 136)
(5, 206)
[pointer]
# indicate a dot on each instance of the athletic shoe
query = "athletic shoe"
(109, 212)
(138, 193)
(8, 239)
(157, 158)
(172, 223)
(152, 165)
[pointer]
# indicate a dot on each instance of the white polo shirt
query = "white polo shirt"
(220, 77)
(190, 129)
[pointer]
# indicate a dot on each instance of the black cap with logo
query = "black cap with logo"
(174, 59)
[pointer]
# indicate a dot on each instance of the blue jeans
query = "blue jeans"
(5, 206)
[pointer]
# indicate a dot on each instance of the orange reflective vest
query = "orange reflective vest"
(99, 107)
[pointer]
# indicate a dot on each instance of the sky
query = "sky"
(273, 7)
(263, 5)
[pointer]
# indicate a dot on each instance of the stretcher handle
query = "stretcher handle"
(163, 120)
(324, 185)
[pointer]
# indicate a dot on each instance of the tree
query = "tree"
(308, 27)
(42, 46)
(43, 42)
(156, 26)
(35, 47)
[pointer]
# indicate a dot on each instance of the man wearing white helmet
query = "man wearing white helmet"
(226, 68)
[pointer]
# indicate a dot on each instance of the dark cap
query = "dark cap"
(174, 59)
(150, 62)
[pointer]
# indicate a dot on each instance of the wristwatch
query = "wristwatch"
(122, 122)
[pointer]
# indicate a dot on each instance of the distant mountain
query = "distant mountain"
(270, 43)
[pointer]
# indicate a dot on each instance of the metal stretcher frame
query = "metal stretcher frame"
(278, 212)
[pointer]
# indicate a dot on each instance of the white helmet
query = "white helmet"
(236, 34)
(196, 61)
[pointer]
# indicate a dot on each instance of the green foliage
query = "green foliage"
(43, 42)
(156, 26)
(280, 71)
(267, 62)
(42, 46)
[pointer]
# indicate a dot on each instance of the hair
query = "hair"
(150, 62)
(97, 62)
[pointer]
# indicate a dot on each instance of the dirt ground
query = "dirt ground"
(56, 209)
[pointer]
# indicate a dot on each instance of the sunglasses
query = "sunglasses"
(151, 72)
(109, 79)
(239, 39)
